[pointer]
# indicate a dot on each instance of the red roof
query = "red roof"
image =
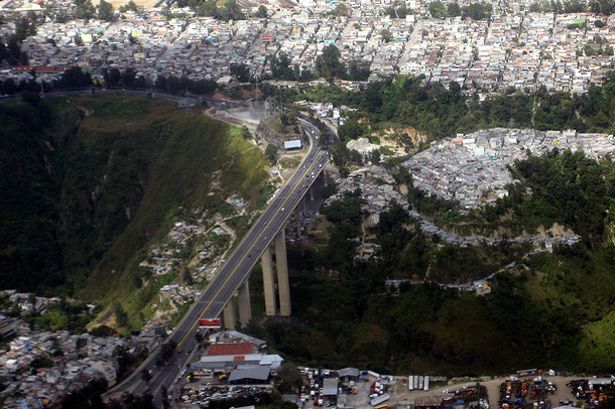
(237, 348)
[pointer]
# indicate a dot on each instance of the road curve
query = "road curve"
(230, 276)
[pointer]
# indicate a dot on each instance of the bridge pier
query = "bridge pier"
(281, 264)
(230, 320)
(268, 282)
(245, 308)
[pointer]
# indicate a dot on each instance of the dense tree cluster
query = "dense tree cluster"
(130, 6)
(358, 70)
(475, 11)
(597, 46)
(105, 11)
(352, 129)
(113, 78)
(10, 52)
(560, 185)
(328, 65)
(261, 12)
(340, 10)
(230, 10)
(271, 153)
(83, 9)
(73, 78)
(398, 11)
(30, 255)
(241, 72)
(438, 111)
(605, 7)
(281, 68)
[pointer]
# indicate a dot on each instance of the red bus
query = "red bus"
(210, 323)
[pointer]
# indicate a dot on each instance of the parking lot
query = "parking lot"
(401, 392)
(360, 397)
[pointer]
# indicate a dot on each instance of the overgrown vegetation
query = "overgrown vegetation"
(426, 328)
(113, 78)
(565, 188)
(10, 52)
(230, 10)
(475, 11)
(328, 65)
(554, 312)
(440, 111)
(94, 180)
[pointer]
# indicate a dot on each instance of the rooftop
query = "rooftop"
(239, 348)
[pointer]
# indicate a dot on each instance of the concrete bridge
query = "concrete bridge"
(228, 293)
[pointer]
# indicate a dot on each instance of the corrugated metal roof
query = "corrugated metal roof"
(378, 400)
(239, 348)
(348, 372)
(257, 372)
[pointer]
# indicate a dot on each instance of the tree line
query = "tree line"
(475, 11)
(328, 65)
(604, 7)
(441, 111)
(230, 10)
(113, 78)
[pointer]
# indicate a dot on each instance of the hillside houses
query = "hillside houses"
(518, 49)
(473, 169)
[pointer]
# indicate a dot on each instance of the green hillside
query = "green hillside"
(554, 310)
(93, 181)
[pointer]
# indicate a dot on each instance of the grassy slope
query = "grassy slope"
(576, 290)
(598, 344)
(166, 157)
(102, 178)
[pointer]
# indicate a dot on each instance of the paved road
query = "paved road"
(230, 277)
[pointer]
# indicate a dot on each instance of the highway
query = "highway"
(229, 278)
